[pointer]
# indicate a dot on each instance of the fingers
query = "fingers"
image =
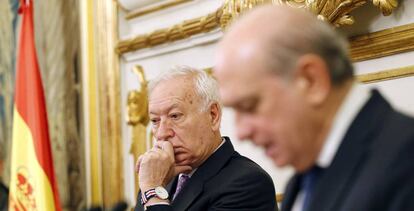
(156, 167)
(138, 163)
(160, 148)
(141, 157)
(157, 145)
(167, 147)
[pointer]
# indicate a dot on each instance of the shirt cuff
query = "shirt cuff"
(156, 204)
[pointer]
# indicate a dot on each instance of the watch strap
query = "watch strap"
(147, 195)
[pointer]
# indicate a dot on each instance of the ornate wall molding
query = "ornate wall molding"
(279, 197)
(383, 75)
(101, 85)
(109, 96)
(386, 75)
(382, 43)
(177, 32)
(336, 12)
(156, 8)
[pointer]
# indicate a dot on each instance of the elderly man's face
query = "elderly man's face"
(177, 116)
(270, 110)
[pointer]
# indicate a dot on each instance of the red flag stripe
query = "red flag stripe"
(29, 97)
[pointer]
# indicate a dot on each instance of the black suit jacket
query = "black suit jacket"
(225, 181)
(374, 166)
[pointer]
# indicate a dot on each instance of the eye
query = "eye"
(175, 116)
(248, 106)
(155, 121)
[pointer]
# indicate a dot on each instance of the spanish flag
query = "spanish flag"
(32, 185)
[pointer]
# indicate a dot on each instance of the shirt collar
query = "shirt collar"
(353, 103)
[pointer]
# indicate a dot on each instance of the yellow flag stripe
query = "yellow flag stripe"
(29, 186)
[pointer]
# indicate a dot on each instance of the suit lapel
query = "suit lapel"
(171, 188)
(338, 178)
(208, 169)
(188, 194)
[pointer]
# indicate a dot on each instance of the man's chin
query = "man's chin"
(279, 162)
(184, 172)
(182, 164)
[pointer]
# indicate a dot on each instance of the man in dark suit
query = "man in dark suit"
(191, 167)
(289, 79)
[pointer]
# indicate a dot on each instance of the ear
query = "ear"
(312, 79)
(215, 116)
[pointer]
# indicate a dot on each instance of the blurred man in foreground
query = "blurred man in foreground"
(289, 79)
(192, 167)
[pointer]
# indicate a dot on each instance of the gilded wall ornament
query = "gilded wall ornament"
(336, 12)
(137, 117)
(137, 102)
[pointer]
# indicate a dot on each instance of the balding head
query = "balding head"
(284, 73)
(281, 34)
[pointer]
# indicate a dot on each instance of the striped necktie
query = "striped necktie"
(182, 180)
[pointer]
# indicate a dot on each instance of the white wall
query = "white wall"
(199, 51)
(398, 91)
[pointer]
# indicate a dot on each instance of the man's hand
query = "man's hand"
(157, 166)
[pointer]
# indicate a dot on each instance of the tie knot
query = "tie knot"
(310, 177)
(183, 179)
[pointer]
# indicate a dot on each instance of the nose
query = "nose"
(244, 128)
(164, 131)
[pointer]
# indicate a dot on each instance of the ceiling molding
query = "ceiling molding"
(155, 8)
(197, 40)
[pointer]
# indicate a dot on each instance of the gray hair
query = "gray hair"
(206, 87)
(311, 36)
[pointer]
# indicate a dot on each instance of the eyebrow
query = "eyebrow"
(174, 105)
(245, 101)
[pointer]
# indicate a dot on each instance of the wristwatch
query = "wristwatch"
(159, 192)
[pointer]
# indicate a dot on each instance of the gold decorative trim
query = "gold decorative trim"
(383, 75)
(279, 197)
(119, 5)
(336, 12)
(103, 134)
(93, 114)
(138, 118)
(382, 43)
(141, 12)
(176, 32)
(386, 75)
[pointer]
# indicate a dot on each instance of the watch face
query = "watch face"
(161, 192)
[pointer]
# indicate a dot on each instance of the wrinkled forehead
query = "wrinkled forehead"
(175, 90)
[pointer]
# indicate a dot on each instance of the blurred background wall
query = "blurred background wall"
(57, 40)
